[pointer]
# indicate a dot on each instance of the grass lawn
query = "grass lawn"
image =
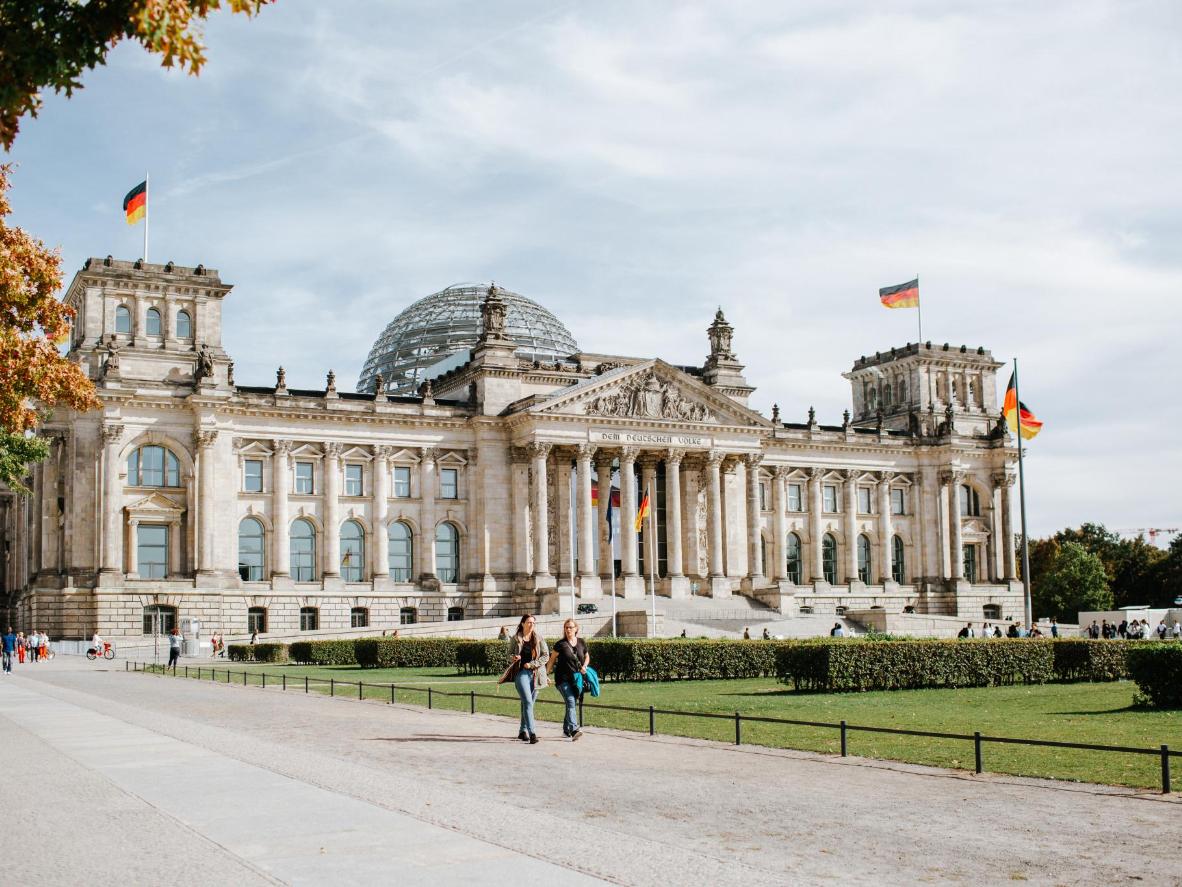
(1087, 713)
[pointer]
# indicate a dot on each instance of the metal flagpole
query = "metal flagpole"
(611, 545)
(572, 496)
(1022, 499)
(919, 308)
(652, 568)
(147, 215)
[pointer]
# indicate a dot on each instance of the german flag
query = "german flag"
(595, 496)
(1015, 411)
(905, 295)
(642, 511)
(135, 204)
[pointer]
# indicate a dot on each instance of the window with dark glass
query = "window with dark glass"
(792, 551)
(252, 480)
(449, 483)
(970, 563)
(303, 478)
(250, 550)
(829, 558)
(153, 466)
(898, 503)
(354, 475)
(863, 559)
(455, 614)
(401, 482)
(352, 551)
(122, 320)
(159, 619)
(184, 325)
(401, 550)
(359, 617)
(408, 616)
(970, 502)
(898, 565)
(256, 620)
(309, 619)
(152, 551)
(303, 551)
(152, 326)
(447, 553)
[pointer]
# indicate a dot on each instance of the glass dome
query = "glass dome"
(449, 321)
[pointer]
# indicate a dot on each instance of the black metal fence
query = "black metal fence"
(1162, 752)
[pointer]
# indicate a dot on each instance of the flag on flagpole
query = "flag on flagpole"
(1018, 415)
(904, 295)
(611, 508)
(135, 204)
(642, 511)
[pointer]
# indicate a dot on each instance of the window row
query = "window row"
(154, 323)
(252, 551)
(161, 619)
(830, 501)
(795, 563)
(305, 479)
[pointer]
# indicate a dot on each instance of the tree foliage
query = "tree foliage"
(50, 43)
(33, 374)
(1075, 581)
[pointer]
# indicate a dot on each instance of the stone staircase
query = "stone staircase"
(728, 618)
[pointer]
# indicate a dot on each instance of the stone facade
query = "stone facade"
(191, 496)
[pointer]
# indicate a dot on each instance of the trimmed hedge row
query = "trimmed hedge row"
(388, 652)
(332, 652)
(257, 652)
(1090, 660)
(848, 666)
(668, 660)
(1157, 669)
(483, 657)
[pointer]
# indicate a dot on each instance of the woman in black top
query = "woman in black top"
(570, 657)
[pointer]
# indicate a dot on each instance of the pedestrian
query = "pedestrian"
(837, 631)
(570, 657)
(966, 632)
(1161, 630)
(683, 633)
(254, 636)
(746, 634)
(9, 647)
(174, 649)
(21, 645)
(1177, 632)
(997, 631)
(528, 655)
(33, 644)
(43, 645)
(503, 635)
(213, 645)
(985, 632)
(1054, 629)
(766, 635)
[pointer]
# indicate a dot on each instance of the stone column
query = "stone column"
(779, 570)
(603, 482)
(332, 510)
(565, 568)
(817, 566)
(381, 499)
(714, 512)
(112, 501)
(205, 439)
(133, 549)
(1005, 483)
(539, 453)
(850, 524)
(628, 566)
(426, 541)
(519, 471)
(674, 543)
(586, 516)
(280, 531)
(755, 567)
(692, 518)
(651, 529)
(885, 528)
(952, 481)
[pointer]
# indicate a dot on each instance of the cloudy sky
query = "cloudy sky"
(634, 165)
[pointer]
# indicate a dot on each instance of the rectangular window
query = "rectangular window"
(401, 482)
(303, 477)
(449, 483)
(353, 480)
(829, 498)
(864, 500)
(794, 497)
(309, 619)
(256, 620)
(898, 505)
(763, 497)
(252, 481)
(359, 617)
(152, 551)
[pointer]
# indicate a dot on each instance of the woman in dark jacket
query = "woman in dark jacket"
(529, 654)
(570, 657)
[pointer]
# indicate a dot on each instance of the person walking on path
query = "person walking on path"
(570, 657)
(174, 649)
(21, 645)
(43, 645)
(9, 647)
(528, 653)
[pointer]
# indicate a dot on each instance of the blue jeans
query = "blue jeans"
(524, 682)
(570, 720)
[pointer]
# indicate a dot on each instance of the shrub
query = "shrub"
(1089, 660)
(1157, 669)
(483, 657)
(332, 652)
(682, 659)
(240, 652)
(389, 652)
(842, 666)
(257, 652)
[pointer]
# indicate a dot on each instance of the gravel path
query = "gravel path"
(629, 809)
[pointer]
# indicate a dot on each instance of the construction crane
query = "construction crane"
(1151, 533)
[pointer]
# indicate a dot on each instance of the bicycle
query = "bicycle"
(108, 652)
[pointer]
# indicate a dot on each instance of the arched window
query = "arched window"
(256, 620)
(792, 550)
(408, 616)
(159, 619)
(359, 617)
(184, 325)
(829, 558)
(122, 320)
(309, 618)
(250, 550)
(153, 466)
(970, 503)
(863, 558)
(455, 614)
(898, 564)
(352, 551)
(902, 386)
(447, 553)
(303, 551)
(401, 551)
(153, 322)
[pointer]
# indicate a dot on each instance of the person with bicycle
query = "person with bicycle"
(96, 643)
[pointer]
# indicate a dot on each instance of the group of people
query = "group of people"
(1013, 630)
(34, 647)
(530, 662)
(1137, 630)
(217, 646)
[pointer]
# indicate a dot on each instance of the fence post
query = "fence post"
(227, 675)
(652, 716)
(244, 674)
(738, 730)
(186, 671)
(360, 690)
(977, 750)
(428, 697)
(332, 686)
(471, 702)
(264, 680)
(844, 744)
(305, 683)
(126, 665)
(198, 672)
(392, 697)
(1165, 769)
(284, 681)
(582, 720)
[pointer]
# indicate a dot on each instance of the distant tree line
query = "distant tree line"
(1092, 568)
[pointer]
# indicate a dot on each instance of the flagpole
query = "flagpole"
(571, 519)
(919, 308)
(611, 544)
(652, 568)
(1029, 614)
(147, 215)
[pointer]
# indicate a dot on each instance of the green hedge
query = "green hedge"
(667, 660)
(257, 652)
(482, 657)
(1082, 659)
(844, 666)
(390, 652)
(335, 652)
(1157, 669)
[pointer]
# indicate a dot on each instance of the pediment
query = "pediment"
(155, 506)
(653, 391)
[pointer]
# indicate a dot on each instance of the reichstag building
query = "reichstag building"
(468, 476)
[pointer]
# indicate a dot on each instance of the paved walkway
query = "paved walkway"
(153, 780)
